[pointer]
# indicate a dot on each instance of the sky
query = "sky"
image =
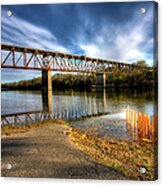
(112, 31)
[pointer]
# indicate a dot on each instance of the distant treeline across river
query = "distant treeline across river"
(136, 79)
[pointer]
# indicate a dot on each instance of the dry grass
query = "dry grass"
(125, 156)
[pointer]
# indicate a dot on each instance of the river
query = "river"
(83, 104)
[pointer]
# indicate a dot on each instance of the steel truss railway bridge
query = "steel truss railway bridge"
(17, 57)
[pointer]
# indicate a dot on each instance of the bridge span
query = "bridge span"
(18, 57)
(36, 59)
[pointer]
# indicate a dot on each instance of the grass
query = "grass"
(126, 157)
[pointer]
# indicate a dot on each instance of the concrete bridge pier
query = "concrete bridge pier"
(101, 81)
(47, 90)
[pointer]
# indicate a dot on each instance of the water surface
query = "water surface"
(78, 104)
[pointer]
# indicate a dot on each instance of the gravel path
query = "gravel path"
(47, 152)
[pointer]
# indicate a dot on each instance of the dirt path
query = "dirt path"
(47, 152)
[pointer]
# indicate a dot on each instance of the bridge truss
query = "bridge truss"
(29, 58)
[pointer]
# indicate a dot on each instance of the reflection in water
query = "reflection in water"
(82, 102)
(72, 104)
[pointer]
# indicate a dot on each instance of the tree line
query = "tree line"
(135, 79)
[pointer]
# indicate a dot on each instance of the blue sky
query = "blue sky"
(113, 31)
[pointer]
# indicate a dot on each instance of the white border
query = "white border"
(63, 182)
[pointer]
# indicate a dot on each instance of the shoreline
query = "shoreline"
(124, 158)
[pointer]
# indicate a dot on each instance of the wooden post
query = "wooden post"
(148, 127)
(156, 127)
(139, 126)
(135, 120)
(143, 124)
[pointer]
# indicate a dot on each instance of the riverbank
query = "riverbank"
(52, 149)
(45, 150)
(126, 157)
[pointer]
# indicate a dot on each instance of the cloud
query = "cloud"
(21, 32)
(129, 42)
(90, 50)
(103, 37)
(91, 29)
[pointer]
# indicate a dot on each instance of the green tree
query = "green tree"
(142, 63)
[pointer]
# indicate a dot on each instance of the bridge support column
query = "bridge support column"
(47, 90)
(101, 80)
